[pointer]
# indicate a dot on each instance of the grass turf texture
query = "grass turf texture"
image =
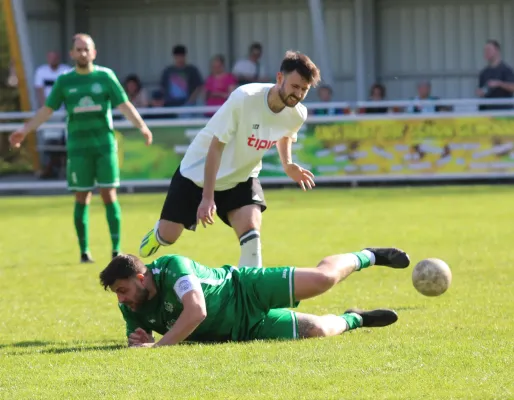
(62, 336)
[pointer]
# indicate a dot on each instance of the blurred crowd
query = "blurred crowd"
(182, 84)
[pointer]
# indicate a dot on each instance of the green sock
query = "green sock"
(113, 212)
(364, 259)
(81, 217)
(353, 320)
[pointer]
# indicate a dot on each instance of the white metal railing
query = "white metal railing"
(195, 110)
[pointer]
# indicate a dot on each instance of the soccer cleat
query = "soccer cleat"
(115, 254)
(149, 245)
(390, 257)
(85, 258)
(375, 318)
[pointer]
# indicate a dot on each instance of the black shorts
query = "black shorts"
(184, 197)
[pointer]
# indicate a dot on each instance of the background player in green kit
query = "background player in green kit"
(89, 92)
(183, 300)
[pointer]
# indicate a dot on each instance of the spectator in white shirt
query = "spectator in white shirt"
(47, 74)
(250, 70)
(52, 162)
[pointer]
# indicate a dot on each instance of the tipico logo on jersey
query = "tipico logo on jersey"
(259, 144)
(86, 104)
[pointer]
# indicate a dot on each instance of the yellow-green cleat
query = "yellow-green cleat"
(149, 245)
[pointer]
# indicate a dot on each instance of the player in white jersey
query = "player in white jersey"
(219, 172)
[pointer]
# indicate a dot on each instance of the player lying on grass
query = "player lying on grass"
(183, 300)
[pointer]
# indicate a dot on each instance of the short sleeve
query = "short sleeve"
(116, 91)
(302, 117)
(224, 123)
(56, 97)
(180, 276)
(38, 78)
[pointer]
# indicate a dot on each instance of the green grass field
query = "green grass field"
(62, 336)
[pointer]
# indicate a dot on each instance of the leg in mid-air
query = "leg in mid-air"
(178, 213)
(286, 286)
(311, 282)
(241, 208)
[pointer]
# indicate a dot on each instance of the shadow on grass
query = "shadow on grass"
(43, 347)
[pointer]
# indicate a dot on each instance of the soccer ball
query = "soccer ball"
(431, 277)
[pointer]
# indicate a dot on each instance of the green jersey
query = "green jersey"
(237, 299)
(89, 100)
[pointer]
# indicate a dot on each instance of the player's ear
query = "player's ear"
(140, 277)
(280, 77)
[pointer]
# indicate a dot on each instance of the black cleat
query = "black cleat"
(375, 318)
(390, 257)
(85, 258)
(115, 254)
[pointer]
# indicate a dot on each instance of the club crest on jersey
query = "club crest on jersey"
(96, 88)
(168, 307)
(260, 144)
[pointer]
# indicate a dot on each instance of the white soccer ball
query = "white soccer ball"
(431, 277)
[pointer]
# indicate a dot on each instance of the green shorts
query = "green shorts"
(262, 299)
(84, 172)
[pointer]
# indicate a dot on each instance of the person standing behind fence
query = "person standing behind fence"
(496, 80)
(44, 79)
(89, 92)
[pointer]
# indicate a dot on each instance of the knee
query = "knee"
(325, 280)
(169, 231)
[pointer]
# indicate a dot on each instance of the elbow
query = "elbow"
(200, 314)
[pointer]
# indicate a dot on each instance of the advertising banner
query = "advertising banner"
(467, 145)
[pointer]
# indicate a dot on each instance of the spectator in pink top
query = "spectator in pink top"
(219, 83)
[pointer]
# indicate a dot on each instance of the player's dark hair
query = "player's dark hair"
(296, 61)
(495, 43)
(123, 266)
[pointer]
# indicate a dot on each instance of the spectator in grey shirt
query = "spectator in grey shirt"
(181, 83)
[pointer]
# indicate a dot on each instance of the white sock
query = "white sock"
(250, 249)
(161, 241)
(353, 259)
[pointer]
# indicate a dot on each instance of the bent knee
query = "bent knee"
(169, 231)
(326, 280)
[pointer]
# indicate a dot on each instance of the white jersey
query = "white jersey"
(249, 128)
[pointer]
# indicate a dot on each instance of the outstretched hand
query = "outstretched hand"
(302, 176)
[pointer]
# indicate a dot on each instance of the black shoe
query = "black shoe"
(375, 318)
(390, 257)
(86, 258)
(115, 254)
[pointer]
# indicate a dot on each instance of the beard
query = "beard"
(141, 297)
(82, 64)
(289, 100)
